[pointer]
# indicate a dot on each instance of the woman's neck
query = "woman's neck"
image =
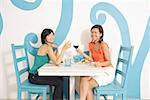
(96, 42)
(49, 43)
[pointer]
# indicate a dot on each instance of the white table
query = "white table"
(72, 71)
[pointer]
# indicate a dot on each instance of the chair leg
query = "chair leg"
(44, 95)
(29, 96)
(37, 97)
(104, 97)
(114, 97)
(50, 93)
(97, 96)
(124, 96)
(19, 95)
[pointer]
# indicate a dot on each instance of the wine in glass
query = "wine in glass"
(76, 57)
(75, 46)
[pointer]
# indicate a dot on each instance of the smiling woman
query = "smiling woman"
(99, 53)
(44, 54)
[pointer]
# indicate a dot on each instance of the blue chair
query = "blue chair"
(26, 86)
(117, 87)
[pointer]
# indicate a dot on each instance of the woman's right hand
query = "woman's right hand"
(79, 50)
(67, 45)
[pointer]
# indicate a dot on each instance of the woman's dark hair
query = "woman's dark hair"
(44, 33)
(100, 28)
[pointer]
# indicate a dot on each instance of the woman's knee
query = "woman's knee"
(92, 83)
(84, 78)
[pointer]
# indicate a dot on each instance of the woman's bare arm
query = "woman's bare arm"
(107, 57)
(55, 59)
(84, 55)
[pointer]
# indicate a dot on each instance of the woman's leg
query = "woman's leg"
(92, 84)
(50, 80)
(90, 94)
(58, 91)
(83, 87)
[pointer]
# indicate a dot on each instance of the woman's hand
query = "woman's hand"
(84, 54)
(79, 50)
(98, 64)
(66, 45)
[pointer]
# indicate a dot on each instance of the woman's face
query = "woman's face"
(50, 38)
(95, 35)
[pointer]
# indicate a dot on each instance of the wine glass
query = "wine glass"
(76, 57)
(75, 45)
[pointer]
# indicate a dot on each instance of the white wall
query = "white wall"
(18, 23)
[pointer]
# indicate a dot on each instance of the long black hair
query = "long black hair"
(44, 33)
(100, 28)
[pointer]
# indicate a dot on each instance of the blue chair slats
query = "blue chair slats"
(26, 85)
(116, 87)
(21, 59)
(123, 60)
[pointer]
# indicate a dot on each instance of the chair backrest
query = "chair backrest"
(123, 62)
(21, 63)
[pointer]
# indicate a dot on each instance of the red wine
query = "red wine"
(75, 46)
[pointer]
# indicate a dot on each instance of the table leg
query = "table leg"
(72, 88)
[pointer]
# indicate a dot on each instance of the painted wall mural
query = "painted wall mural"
(66, 13)
(1, 24)
(64, 25)
(118, 17)
(133, 79)
(25, 5)
(134, 74)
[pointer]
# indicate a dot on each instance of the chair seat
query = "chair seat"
(112, 86)
(26, 85)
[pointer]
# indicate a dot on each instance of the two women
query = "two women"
(46, 53)
(99, 53)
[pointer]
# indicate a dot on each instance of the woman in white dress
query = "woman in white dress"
(99, 53)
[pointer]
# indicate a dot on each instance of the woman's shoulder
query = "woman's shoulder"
(104, 44)
(91, 43)
(44, 47)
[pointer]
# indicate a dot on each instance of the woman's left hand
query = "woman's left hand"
(97, 64)
(79, 50)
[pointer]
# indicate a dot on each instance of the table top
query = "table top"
(73, 70)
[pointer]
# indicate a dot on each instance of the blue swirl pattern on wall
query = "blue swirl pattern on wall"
(31, 38)
(134, 74)
(116, 14)
(1, 24)
(65, 21)
(133, 81)
(24, 5)
(61, 31)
